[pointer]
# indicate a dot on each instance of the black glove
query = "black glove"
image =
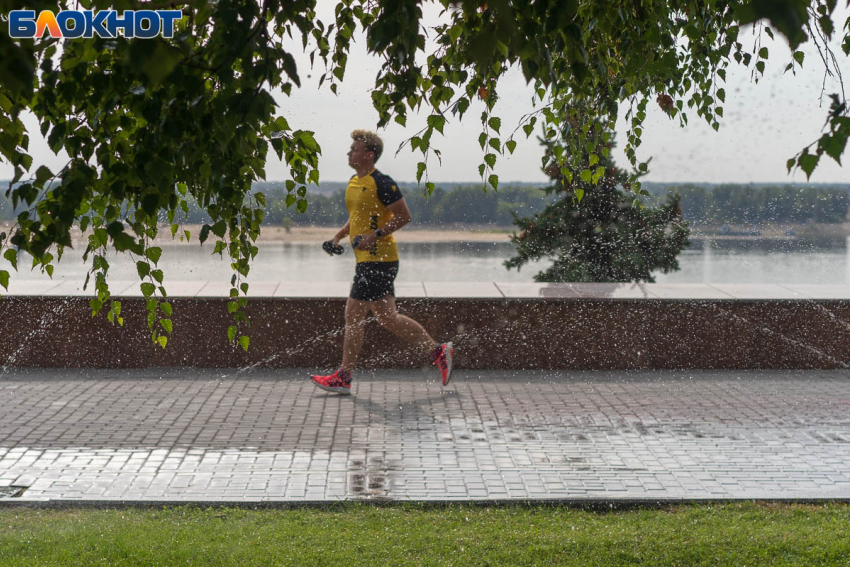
(331, 249)
(356, 240)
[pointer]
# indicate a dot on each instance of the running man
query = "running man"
(376, 209)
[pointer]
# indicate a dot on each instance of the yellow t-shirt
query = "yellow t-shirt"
(367, 199)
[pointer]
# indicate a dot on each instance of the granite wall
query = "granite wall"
(506, 333)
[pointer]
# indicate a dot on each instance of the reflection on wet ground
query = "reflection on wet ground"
(209, 435)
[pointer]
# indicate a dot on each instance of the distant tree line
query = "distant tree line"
(463, 204)
(468, 204)
(741, 204)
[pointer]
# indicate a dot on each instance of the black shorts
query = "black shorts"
(374, 280)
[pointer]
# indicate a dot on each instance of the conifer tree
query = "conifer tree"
(599, 233)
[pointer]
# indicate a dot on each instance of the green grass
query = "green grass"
(354, 534)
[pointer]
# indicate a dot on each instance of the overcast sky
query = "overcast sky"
(765, 124)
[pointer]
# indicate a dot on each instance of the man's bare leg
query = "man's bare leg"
(402, 326)
(356, 312)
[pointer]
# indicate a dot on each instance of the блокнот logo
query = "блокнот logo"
(87, 23)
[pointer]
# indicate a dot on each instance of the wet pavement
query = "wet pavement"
(210, 435)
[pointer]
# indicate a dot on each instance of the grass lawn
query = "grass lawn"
(355, 534)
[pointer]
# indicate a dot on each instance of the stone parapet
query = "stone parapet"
(493, 326)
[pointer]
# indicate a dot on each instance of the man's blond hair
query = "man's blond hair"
(372, 141)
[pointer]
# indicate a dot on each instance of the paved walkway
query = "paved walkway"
(207, 435)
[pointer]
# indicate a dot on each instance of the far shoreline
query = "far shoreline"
(473, 233)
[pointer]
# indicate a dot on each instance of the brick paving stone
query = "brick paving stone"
(213, 435)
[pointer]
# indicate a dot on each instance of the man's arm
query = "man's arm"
(343, 232)
(401, 216)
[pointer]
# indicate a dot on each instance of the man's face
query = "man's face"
(358, 156)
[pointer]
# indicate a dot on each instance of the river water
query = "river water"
(757, 261)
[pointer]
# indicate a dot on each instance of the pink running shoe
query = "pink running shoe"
(332, 383)
(444, 362)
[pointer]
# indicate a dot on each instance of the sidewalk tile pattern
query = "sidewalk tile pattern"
(260, 435)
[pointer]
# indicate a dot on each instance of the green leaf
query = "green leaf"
(826, 25)
(220, 227)
(763, 53)
(4, 279)
(244, 341)
(306, 137)
(787, 16)
(154, 254)
(490, 159)
(808, 162)
(420, 169)
(436, 122)
(12, 256)
(798, 57)
(148, 289)
(232, 306)
(231, 333)
(834, 145)
(154, 60)
(493, 180)
(510, 144)
(162, 340)
(494, 123)
(42, 174)
(579, 194)
(143, 268)
(166, 324)
(95, 305)
(69, 63)
(586, 175)
(166, 308)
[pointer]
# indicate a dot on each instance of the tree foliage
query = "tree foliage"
(153, 124)
(594, 232)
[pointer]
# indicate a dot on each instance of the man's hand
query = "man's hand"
(367, 241)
